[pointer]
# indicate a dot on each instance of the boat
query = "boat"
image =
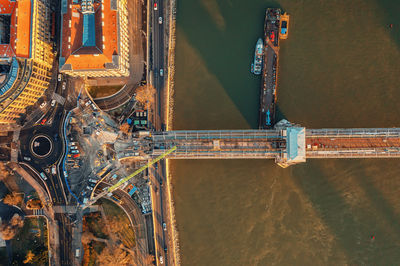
(256, 66)
(284, 26)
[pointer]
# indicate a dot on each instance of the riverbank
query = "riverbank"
(173, 239)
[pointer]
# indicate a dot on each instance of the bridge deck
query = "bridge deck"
(340, 143)
(219, 144)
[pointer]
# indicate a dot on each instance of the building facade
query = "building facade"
(95, 41)
(26, 55)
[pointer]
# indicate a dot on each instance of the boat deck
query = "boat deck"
(269, 81)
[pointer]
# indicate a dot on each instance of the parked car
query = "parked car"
(43, 104)
(53, 102)
(59, 77)
(42, 175)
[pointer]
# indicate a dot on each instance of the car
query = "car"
(54, 170)
(159, 20)
(53, 102)
(164, 225)
(161, 260)
(59, 77)
(43, 104)
(161, 72)
(155, 6)
(43, 121)
(42, 175)
(63, 86)
(27, 159)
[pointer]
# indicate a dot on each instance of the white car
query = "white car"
(161, 72)
(43, 104)
(63, 86)
(161, 260)
(59, 77)
(159, 20)
(53, 102)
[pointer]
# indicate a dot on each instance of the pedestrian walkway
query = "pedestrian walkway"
(14, 146)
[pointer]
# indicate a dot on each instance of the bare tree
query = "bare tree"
(145, 95)
(111, 256)
(13, 199)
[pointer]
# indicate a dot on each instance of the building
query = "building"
(94, 38)
(26, 55)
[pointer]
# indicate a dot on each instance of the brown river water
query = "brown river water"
(338, 68)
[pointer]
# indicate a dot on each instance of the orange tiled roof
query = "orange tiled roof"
(86, 58)
(20, 28)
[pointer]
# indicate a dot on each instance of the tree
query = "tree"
(9, 229)
(34, 204)
(125, 128)
(149, 259)
(87, 237)
(145, 95)
(13, 199)
(111, 256)
(29, 257)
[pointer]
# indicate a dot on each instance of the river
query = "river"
(338, 68)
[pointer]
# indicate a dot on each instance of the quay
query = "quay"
(274, 30)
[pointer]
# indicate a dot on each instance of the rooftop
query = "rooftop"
(89, 35)
(13, 13)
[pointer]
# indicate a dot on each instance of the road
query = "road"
(158, 61)
(117, 99)
(156, 174)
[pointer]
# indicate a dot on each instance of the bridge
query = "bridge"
(287, 144)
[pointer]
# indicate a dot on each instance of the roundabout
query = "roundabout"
(41, 146)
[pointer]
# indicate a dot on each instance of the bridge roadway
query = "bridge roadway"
(221, 144)
(353, 143)
(278, 143)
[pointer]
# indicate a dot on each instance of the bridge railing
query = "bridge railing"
(355, 153)
(354, 132)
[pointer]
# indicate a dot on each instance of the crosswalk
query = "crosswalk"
(38, 212)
